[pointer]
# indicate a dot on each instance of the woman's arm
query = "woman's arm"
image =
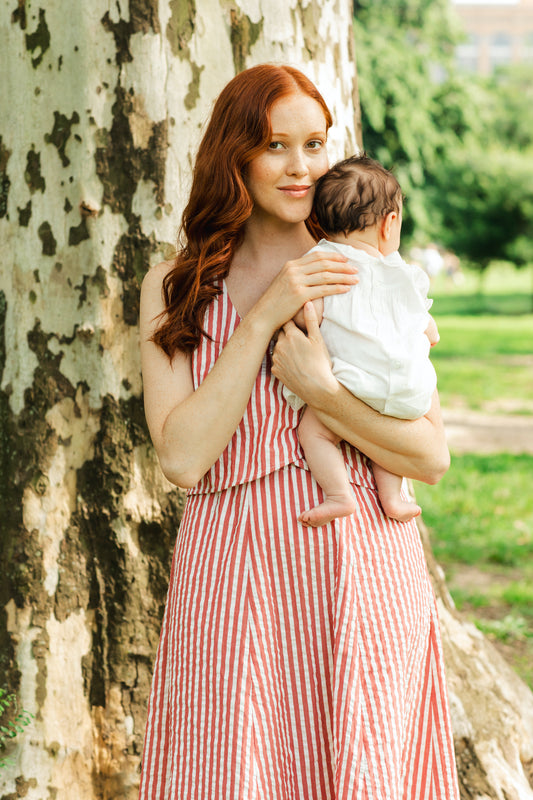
(189, 428)
(414, 448)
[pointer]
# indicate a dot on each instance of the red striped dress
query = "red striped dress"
(294, 663)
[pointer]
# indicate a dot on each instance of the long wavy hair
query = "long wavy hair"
(212, 226)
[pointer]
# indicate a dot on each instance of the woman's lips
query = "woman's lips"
(295, 191)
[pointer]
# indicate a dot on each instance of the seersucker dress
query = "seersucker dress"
(294, 663)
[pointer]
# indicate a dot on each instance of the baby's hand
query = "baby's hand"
(432, 332)
(299, 318)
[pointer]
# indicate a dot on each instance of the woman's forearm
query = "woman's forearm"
(197, 430)
(414, 448)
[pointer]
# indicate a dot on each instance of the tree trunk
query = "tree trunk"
(103, 105)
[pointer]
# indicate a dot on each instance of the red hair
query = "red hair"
(213, 222)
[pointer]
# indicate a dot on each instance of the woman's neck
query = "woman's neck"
(259, 259)
(267, 248)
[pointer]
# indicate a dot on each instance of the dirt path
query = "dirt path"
(475, 432)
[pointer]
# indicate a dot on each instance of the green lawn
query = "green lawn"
(480, 515)
(484, 359)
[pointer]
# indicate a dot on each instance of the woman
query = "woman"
(294, 663)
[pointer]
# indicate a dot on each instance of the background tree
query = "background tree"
(460, 145)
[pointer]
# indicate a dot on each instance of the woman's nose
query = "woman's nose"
(297, 164)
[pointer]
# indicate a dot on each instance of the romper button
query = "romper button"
(397, 364)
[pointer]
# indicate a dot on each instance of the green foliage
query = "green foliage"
(460, 146)
(11, 728)
(507, 106)
(404, 54)
(510, 627)
(485, 201)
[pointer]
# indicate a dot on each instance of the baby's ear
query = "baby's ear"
(386, 224)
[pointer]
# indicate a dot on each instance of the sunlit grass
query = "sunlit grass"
(495, 385)
(482, 511)
(483, 336)
(485, 355)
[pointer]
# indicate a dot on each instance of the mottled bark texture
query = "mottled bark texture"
(102, 109)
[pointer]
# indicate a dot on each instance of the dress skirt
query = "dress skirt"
(297, 663)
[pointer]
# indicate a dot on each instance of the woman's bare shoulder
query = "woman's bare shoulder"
(156, 274)
(152, 299)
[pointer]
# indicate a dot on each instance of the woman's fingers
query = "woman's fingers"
(287, 328)
(328, 270)
(328, 278)
(317, 262)
(311, 321)
(325, 269)
(310, 277)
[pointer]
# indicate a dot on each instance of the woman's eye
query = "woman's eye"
(315, 144)
(275, 145)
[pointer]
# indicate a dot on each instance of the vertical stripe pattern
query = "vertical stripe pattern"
(294, 663)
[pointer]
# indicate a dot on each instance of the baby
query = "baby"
(378, 334)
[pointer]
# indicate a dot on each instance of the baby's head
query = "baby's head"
(356, 194)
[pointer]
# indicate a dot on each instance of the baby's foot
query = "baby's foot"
(334, 506)
(401, 510)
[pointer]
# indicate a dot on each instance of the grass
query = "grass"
(484, 359)
(480, 516)
(487, 503)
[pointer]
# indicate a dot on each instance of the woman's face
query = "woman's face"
(281, 180)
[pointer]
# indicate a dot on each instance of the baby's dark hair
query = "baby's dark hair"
(355, 194)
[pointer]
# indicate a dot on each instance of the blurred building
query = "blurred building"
(498, 34)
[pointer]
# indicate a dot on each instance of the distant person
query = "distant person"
(432, 260)
(378, 334)
(452, 266)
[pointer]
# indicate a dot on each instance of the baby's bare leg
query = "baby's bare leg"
(327, 466)
(393, 504)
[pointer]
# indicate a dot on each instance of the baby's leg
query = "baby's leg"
(389, 486)
(327, 465)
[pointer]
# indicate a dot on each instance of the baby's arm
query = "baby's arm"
(299, 318)
(432, 332)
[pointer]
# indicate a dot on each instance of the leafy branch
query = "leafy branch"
(12, 727)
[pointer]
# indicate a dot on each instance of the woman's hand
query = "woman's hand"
(302, 362)
(314, 275)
